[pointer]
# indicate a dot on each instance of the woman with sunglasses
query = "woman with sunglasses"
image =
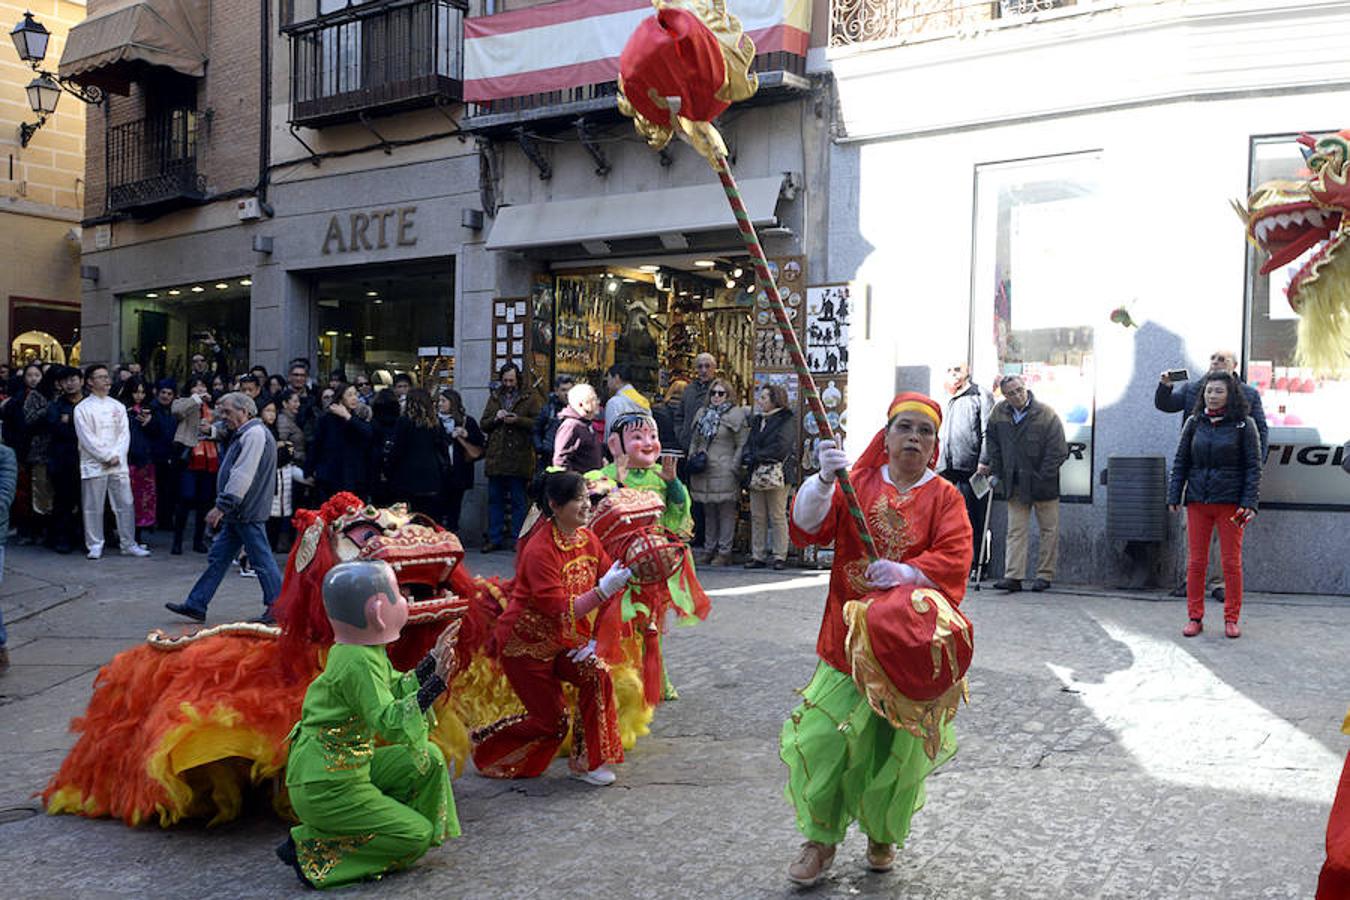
(720, 432)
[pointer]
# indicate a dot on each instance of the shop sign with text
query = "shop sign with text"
(377, 229)
(1305, 475)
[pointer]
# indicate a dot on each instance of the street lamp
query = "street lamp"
(30, 40)
(43, 93)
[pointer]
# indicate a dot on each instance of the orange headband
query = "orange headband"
(906, 403)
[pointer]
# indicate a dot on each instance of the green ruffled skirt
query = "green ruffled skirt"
(847, 764)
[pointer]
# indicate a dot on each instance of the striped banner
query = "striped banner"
(573, 43)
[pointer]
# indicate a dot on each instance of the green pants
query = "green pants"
(846, 764)
(350, 830)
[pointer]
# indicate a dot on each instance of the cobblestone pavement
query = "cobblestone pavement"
(1102, 755)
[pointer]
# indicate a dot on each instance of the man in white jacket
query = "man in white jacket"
(104, 433)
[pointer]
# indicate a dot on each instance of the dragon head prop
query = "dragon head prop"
(425, 559)
(1303, 221)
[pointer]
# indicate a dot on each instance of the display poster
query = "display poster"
(770, 349)
(828, 308)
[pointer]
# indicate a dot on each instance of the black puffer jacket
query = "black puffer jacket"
(773, 438)
(1217, 462)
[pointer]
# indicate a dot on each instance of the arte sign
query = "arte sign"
(354, 232)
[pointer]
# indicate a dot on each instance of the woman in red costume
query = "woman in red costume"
(871, 772)
(547, 636)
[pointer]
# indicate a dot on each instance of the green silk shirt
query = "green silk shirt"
(356, 697)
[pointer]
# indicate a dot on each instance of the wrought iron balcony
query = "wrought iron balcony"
(863, 21)
(375, 60)
(151, 164)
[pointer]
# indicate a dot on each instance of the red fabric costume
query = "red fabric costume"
(1334, 882)
(931, 516)
(534, 635)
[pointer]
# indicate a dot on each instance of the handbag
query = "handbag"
(698, 463)
(205, 457)
(767, 477)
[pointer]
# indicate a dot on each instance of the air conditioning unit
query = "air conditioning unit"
(248, 209)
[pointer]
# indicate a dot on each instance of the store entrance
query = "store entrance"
(383, 320)
(653, 316)
(42, 330)
(162, 329)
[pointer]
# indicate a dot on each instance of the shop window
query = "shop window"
(163, 328)
(1037, 238)
(1306, 413)
(605, 320)
(383, 320)
(654, 323)
(44, 331)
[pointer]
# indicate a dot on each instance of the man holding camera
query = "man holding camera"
(1177, 392)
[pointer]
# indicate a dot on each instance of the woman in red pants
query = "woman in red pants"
(1218, 468)
(548, 636)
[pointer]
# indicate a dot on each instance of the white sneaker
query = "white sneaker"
(600, 777)
(248, 573)
(136, 550)
(94, 554)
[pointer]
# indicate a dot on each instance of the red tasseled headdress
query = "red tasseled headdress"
(874, 456)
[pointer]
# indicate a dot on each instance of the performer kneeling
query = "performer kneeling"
(847, 763)
(366, 810)
(546, 636)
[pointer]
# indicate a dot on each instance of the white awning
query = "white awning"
(684, 210)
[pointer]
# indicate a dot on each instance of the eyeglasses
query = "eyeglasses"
(363, 384)
(718, 393)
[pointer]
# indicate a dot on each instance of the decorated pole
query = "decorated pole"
(680, 70)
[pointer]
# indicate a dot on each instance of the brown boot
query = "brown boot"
(811, 863)
(880, 857)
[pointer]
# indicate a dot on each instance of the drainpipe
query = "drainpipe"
(265, 115)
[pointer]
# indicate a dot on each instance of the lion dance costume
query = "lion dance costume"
(182, 727)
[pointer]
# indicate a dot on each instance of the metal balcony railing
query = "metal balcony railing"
(376, 59)
(151, 163)
(862, 21)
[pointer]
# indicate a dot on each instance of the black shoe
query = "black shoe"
(186, 611)
(1012, 585)
(286, 853)
(62, 548)
(1040, 584)
(756, 564)
(199, 546)
(177, 548)
(779, 565)
(1179, 590)
(1217, 594)
(489, 547)
(265, 619)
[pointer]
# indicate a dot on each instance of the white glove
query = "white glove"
(832, 459)
(581, 654)
(615, 580)
(885, 573)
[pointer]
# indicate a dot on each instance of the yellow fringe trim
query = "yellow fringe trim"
(207, 744)
(1324, 322)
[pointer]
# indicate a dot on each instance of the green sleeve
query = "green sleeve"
(405, 684)
(367, 687)
(677, 516)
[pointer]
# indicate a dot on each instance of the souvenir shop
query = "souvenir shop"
(655, 316)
